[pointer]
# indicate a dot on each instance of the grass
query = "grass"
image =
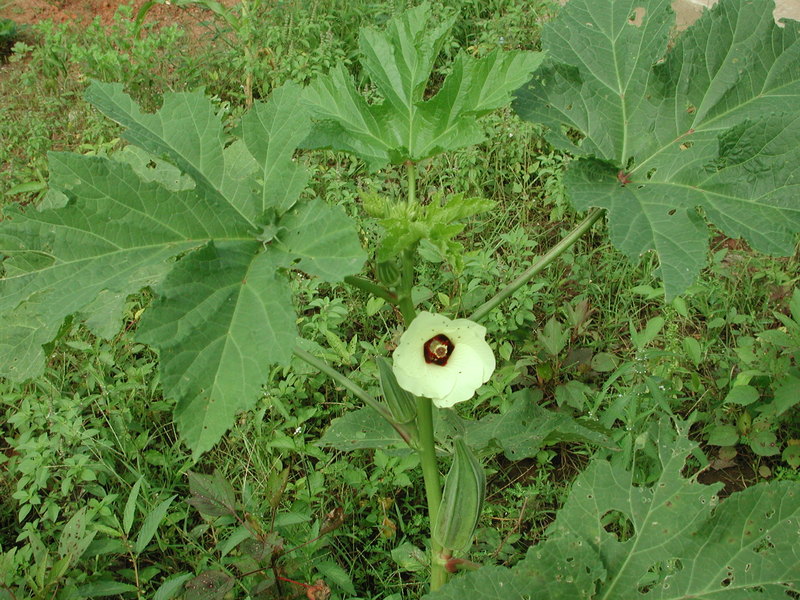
(93, 424)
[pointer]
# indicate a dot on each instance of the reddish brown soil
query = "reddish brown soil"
(83, 11)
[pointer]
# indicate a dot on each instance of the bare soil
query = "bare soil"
(84, 11)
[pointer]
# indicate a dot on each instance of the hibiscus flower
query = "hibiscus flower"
(443, 359)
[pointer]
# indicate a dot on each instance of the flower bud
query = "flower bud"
(388, 273)
(402, 404)
(462, 500)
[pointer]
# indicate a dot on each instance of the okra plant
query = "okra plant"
(668, 133)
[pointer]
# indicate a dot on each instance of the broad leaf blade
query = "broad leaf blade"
(670, 540)
(400, 59)
(526, 428)
(187, 131)
(597, 72)
(209, 585)
(712, 123)
(115, 236)
(223, 316)
(346, 122)
(558, 569)
(209, 246)
(662, 517)
(474, 88)
(272, 132)
(747, 550)
(212, 495)
(359, 429)
(319, 240)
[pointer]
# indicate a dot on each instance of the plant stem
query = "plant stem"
(411, 173)
(556, 251)
(352, 386)
(246, 25)
(424, 420)
(433, 488)
(405, 303)
(371, 287)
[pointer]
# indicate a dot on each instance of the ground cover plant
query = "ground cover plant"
(261, 290)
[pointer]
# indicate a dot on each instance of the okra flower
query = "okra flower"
(442, 359)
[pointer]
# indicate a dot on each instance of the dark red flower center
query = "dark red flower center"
(438, 349)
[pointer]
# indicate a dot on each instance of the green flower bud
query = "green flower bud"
(388, 273)
(462, 500)
(744, 423)
(402, 404)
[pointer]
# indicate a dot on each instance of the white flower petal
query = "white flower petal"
(466, 368)
(430, 381)
(467, 329)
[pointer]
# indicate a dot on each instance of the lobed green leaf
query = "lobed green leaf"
(674, 133)
(670, 540)
(405, 125)
(211, 224)
(359, 429)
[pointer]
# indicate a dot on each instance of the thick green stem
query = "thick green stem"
(352, 386)
(556, 251)
(433, 487)
(411, 173)
(371, 288)
(405, 303)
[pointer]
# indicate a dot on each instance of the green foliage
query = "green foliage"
(8, 36)
(407, 225)
(765, 393)
(710, 123)
(224, 311)
(591, 332)
(255, 550)
(143, 58)
(670, 539)
(527, 427)
(405, 125)
(359, 429)
(255, 46)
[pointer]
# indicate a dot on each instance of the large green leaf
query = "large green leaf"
(405, 126)
(215, 248)
(271, 133)
(526, 428)
(358, 429)
(708, 121)
(115, 235)
(187, 132)
(670, 540)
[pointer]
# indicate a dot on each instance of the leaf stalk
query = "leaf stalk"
(371, 287)
(547, 258)
(357, 390)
